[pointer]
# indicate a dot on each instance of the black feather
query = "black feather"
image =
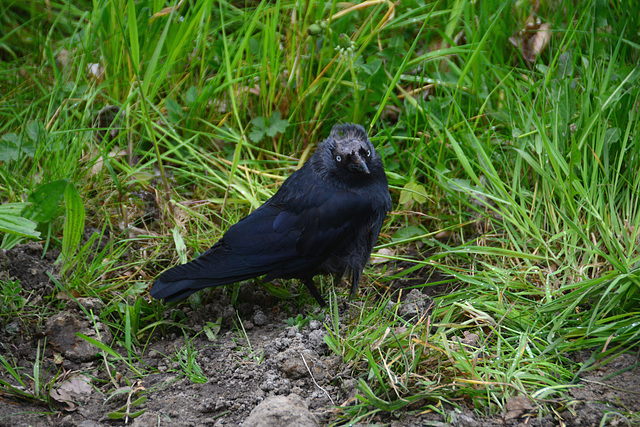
(324, 219)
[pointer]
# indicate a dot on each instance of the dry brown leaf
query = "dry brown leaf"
(541, 39)
(62, 58)
(384, 252)
(533, 39)
(470, 339)
(63, 397)
(517, 406)
(79, 384)
(443, 235)
(166, 11)
(95, 70)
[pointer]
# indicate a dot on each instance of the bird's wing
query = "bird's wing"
(287, 237)
(250, 248)
(257, 239)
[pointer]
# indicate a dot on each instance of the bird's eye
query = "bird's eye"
(338, 158)
(368, 153)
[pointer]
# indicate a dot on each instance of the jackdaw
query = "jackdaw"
(324, 219)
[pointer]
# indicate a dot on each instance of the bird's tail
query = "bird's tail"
(177, 290)
(209, 270)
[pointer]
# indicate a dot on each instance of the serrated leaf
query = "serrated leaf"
(276, 124)
(256, 134)
(258, 122)
(12, 146)
(9, 147)
(35, 131)
(28, 148)
(174, 110)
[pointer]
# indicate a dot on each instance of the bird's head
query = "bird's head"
(350, 149)
(347, 158)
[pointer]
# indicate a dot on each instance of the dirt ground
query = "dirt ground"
(239, 368)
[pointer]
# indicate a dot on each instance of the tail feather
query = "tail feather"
(213, 268)
(180, 282)
(174, 291)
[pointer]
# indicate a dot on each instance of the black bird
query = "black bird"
(324, 219)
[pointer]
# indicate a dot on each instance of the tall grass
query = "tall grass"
(183, 118)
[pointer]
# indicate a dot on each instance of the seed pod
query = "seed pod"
(314, 30)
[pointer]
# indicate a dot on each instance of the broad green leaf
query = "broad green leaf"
(278, 291)
(181, 248)
(411, 192)
(407, 232)
(211, 329)
(12, 222)
(45, 201)
(73, 221)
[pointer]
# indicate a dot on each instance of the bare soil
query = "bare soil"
(255, 355)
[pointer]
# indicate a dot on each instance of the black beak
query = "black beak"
(358, 165)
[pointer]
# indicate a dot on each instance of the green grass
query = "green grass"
(529, 169)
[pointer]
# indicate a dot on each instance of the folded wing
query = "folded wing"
(287, 237)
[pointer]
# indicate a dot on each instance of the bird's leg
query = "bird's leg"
(314, 291)
(355, 278)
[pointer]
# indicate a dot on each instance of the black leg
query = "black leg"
(355, 278)
(315, 292)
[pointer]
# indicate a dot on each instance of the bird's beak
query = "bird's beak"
(359, 165)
